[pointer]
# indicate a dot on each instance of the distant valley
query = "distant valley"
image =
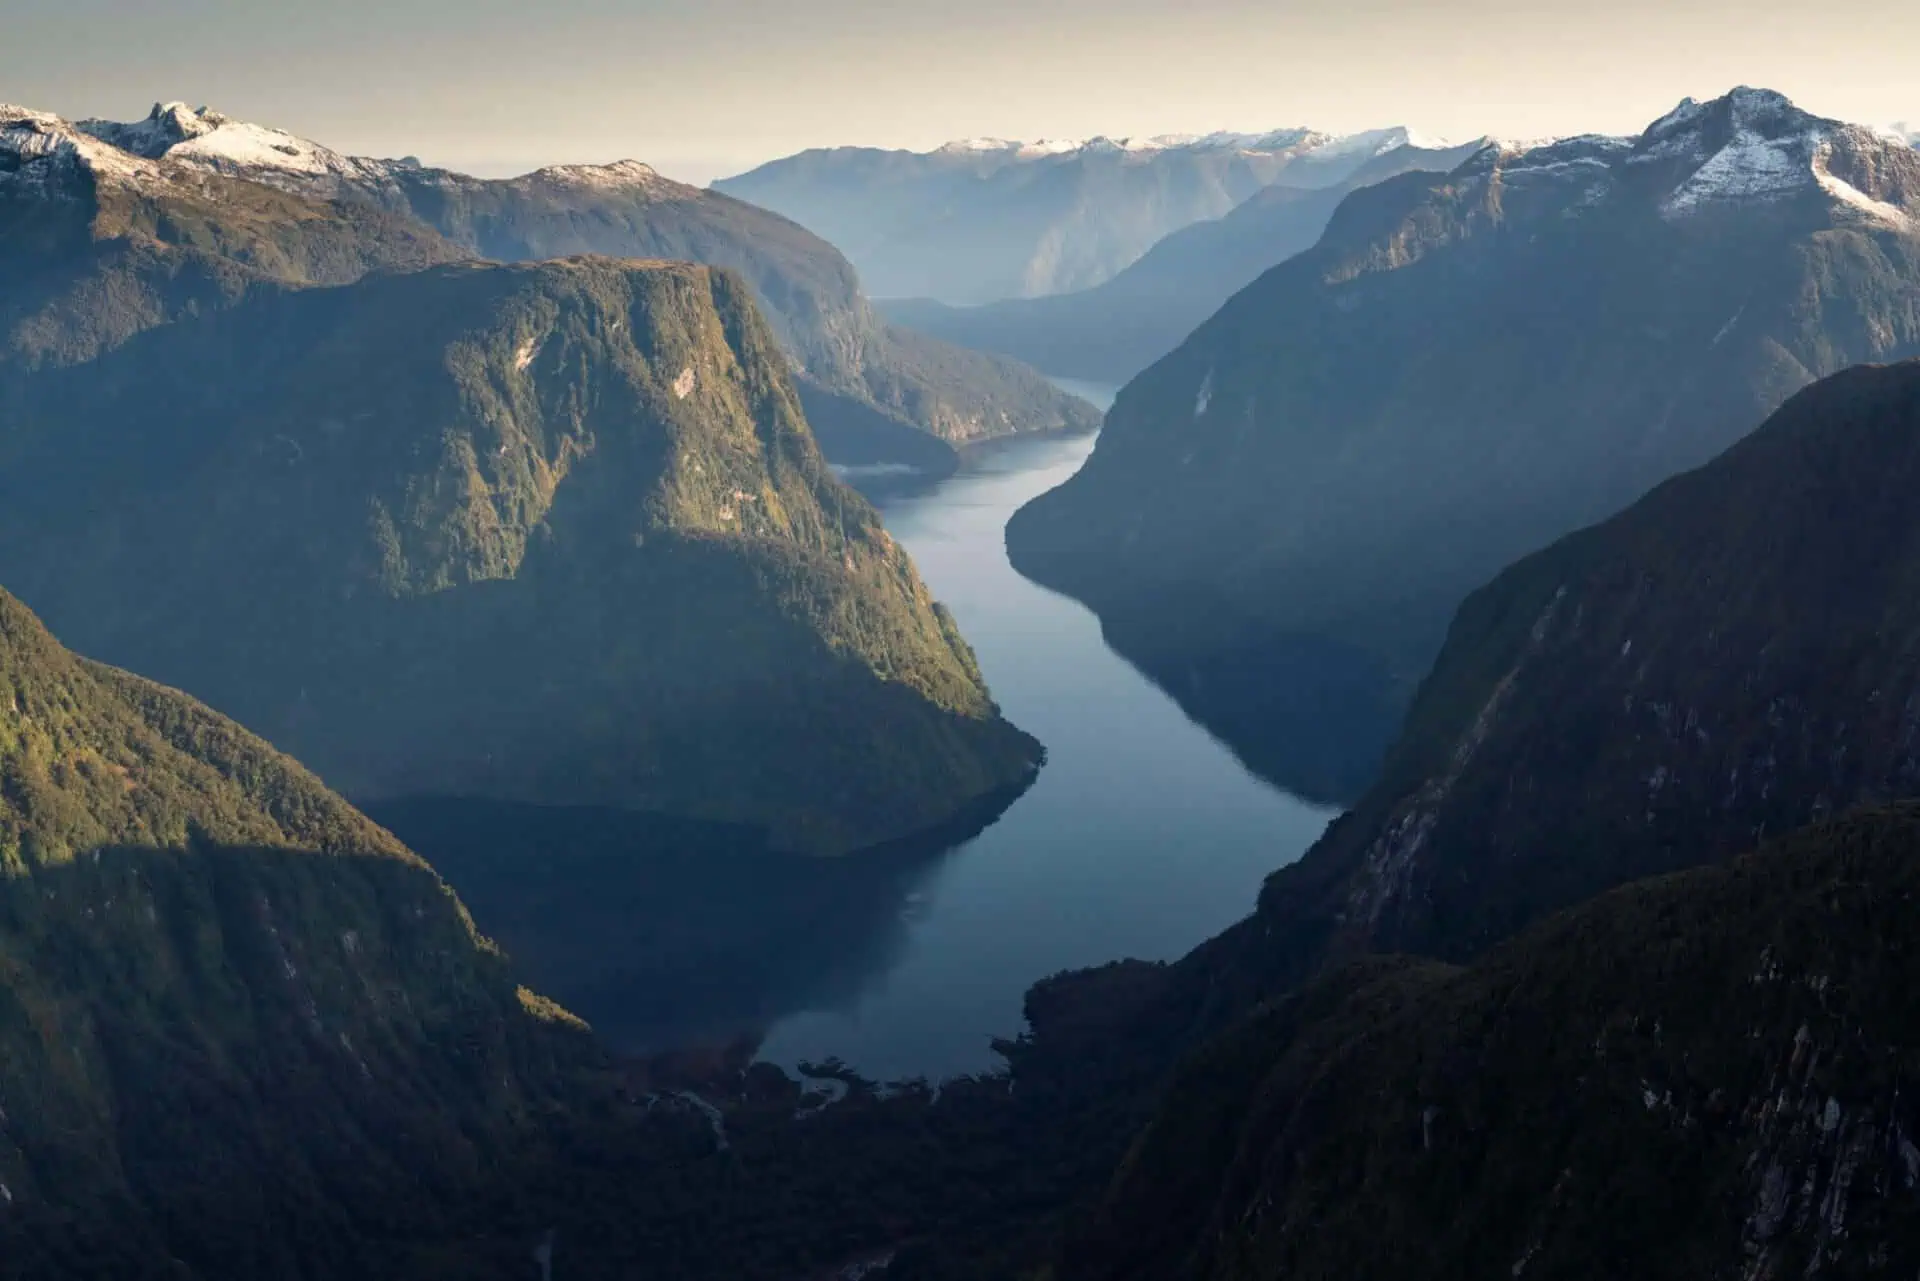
(986, 219)
(1119, 327)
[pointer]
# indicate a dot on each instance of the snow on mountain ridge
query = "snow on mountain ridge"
(202, 138)
(1298, 141)
(1750, 146)
(44, 147)
(621, 173)
(1755, 145)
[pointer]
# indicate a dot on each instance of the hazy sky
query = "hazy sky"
(702, 87)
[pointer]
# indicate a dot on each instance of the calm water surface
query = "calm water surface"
(1143, 837)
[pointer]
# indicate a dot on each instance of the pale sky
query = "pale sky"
(701, 88)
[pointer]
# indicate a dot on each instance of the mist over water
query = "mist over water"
(1143, 836)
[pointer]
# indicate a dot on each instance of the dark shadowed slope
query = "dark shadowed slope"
(242, 1030)
(1463, 369)
(1706, 1076)
(1732, 656)
(554, 533)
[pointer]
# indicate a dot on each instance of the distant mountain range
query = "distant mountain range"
(155, 221)
(1113, 331)
(986, 219)
(1465, 367)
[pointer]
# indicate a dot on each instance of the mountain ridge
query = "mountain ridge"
(976, 223)
(1118, 328)
(1316, 469)
(851, 358)
(105, 244)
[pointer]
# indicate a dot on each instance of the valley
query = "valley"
(1140, 837)
(1188, 704)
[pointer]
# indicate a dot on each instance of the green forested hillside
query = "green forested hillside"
(553, 533)
(1708, 1075)
(235, 1016)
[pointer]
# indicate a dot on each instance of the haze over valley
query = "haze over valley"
(1292, 655)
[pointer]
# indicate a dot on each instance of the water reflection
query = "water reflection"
(1142, 837)
(666, 933)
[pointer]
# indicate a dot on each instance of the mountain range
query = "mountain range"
(1111, 332)
(1606, 972)
(188, 209)
(1282, 514)
(473, 531)
(985, 219)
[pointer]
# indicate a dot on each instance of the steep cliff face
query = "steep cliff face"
(553, 533)
(1708, 1075)
(232, 1009)
(1465, 368)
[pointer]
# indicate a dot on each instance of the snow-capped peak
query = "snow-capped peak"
(1374, 142)
(1291, 141)
(41, 149)
(968, 146)
(621, 173)
(1756, 146)
(202, 138)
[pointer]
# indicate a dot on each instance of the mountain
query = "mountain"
(548, 534)
(1707, 1075)
(986, 219)
(97, 244)
(1116, 329)
(863, 378)
(1727, 660)
(243, 1031)
(1282, 514)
